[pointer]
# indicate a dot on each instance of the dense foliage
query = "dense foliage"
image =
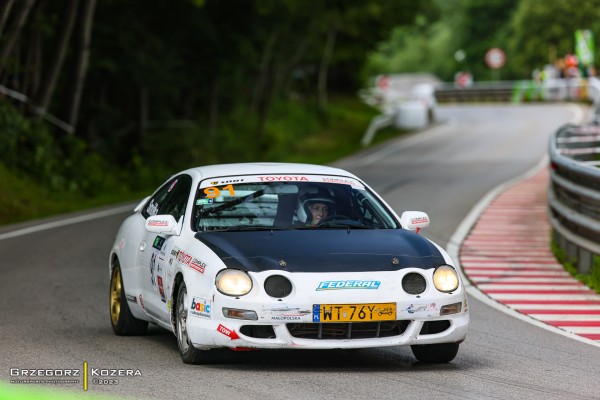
(110, 96)
(532, 33)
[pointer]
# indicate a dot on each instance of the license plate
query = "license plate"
(354, 312)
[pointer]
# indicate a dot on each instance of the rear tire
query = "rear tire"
(435, 353)
(122, 320)
(189, 354)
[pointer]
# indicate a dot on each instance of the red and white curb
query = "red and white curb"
(503, 248)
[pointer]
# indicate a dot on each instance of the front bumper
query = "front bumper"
(301, 333)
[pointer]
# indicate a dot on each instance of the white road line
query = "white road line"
(555, 307)
(574, 287)
(566, 317)
(508, 280)
(582, 329)
(516, 265)
(521, 296)
(65, 222)
(520, 272)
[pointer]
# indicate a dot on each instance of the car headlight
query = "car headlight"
(233, 282)
(445, 279)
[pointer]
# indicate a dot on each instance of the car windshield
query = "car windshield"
(287, 202)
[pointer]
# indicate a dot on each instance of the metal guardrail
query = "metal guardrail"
(574, 192)
(515, 91)
(501, 91)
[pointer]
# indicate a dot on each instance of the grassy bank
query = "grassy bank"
(42, 180)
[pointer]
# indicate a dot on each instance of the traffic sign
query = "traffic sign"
(495, 58)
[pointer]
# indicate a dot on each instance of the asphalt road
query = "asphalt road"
(54, 285)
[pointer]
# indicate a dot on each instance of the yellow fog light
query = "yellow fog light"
(445, 279)
(233, 282)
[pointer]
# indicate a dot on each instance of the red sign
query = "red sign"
(495, 58)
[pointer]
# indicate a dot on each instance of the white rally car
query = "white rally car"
(271, 256)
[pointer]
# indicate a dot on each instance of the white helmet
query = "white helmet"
(310, 196)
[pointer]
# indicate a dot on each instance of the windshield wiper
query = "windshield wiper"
(232, 203)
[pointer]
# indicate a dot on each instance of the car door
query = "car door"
(155, 249)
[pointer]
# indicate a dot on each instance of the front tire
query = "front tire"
(189, 354)
(435, 353)
(122, 320)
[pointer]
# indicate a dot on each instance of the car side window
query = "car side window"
(171, 198)
(179, 194)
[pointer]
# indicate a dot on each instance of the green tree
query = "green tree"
(544, 30)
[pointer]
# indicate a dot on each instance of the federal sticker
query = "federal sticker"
(340, 285)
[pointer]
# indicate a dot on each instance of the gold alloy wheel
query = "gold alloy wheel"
(115, 295)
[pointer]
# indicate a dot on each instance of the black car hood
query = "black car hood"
(325, 250)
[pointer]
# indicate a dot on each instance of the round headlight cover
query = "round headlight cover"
(233, 282)
(445, 279)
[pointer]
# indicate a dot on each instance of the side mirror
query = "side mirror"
(164, 224)
(414, 220)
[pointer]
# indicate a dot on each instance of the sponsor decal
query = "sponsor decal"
(286, 178)
(227, 181)
(200, 202)
(197, 265)
(121, 244)
(161, 290)
(285, 318)
(342, 181)
(183, 257)
(385, 311)
(172, 185)
(142, 302)
(153, 270)
(420, 220)
(158, 223)
(286, 314)
(158, 242)
(186, 259)
(227, 332)
(152, 208)
(340, 285)
(200, 308)
(131, 299)
(415, 308)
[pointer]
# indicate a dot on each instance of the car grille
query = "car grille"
(347, 330)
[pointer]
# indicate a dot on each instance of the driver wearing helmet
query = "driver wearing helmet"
(314, 206)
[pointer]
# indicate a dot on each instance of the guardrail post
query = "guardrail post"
(585, 260)
(572, 252)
